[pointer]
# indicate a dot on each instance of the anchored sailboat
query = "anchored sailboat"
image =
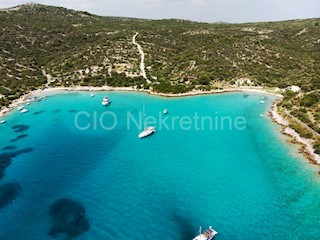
(208, 234)
(147, 130)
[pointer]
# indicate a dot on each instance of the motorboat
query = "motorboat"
(106, 101)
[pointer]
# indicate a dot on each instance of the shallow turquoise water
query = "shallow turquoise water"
(247, 184)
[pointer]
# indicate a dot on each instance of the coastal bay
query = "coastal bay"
(173, 181)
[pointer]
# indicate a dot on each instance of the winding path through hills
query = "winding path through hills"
(142, 67)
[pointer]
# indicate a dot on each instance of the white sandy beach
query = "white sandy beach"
(49, 91)
(227, 90)
(306, 143)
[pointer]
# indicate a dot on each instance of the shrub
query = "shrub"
(310, 99)
(316, 147)
(302, 131)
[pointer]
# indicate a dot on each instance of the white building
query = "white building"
(294, 88)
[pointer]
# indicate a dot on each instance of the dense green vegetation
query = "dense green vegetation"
(305, 107)
(302, 131)
(317, 147)
(79, 48)
(167, 87)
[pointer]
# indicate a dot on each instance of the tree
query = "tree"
(204, 80)
(317, 147)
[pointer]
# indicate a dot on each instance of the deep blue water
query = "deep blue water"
(247, 184)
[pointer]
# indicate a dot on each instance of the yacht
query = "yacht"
(165, 111)
(20, 108)
(147, 132)
(2, 121)
(91, 95)
(206, 235)
(24, 110)
(262, 101)
(106, 101)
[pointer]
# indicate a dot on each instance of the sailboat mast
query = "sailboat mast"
(144, 116)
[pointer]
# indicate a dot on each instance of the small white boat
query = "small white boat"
(24, 110)
(106, 101)
(165, 111)
(262, 101)
(20, 108)
(147, 132)
(2, 121)
(91, 95)
(261, 115)
(40, 98)
(206, 235)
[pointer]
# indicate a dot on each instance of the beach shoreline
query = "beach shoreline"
(28, 98)
(306, 146)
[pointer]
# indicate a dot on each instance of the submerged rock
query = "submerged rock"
(39, 112)
(20, 128)
(68, 217)
(19, 137)
(8, 193)
(9, 148)
(6, 159)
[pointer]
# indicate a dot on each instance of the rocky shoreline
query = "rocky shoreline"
(306, 144)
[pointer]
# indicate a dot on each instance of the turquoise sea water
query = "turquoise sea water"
(247, 184)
